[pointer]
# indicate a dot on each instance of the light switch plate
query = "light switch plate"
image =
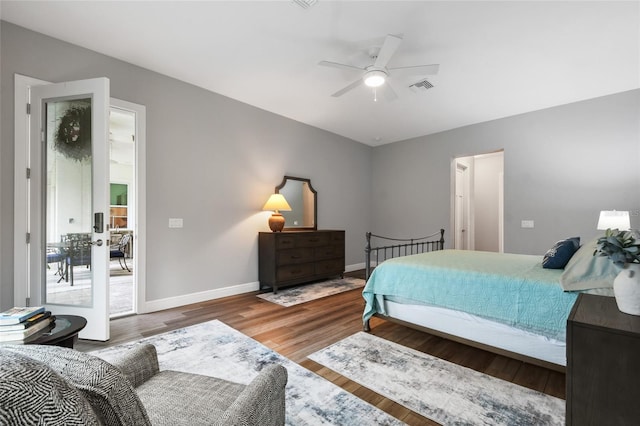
(175, 222)
(527, 224)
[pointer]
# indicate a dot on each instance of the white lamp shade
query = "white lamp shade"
(277, 202)
(613, 219)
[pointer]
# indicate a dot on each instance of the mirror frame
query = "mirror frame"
(315, 203)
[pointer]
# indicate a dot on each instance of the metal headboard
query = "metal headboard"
(404, 247)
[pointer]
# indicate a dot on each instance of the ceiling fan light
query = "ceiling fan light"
(375, 78)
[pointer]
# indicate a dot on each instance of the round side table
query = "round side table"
(63, 333)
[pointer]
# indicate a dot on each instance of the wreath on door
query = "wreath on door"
(73, 137)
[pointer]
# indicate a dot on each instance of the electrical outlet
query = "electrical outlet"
(175, 222)
(526, 224)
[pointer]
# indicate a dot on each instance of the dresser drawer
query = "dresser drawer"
(290, 272)
(337, 237)
(284, 241)
(329, 252)
(312, 239)
(295, 255)
(333, 266)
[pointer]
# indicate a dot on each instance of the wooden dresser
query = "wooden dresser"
(603, 356)
(296, 257)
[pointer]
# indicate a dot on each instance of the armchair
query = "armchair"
(55, 385)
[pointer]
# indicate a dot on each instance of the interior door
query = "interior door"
(69, 201)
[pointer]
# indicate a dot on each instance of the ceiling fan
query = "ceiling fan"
(377, 74)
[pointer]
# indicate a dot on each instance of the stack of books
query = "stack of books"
(17, 324)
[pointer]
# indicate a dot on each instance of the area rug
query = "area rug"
(444, 392)
(305, 293)
(215, 349)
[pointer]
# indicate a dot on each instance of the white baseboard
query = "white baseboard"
(354, 267)
(203, 296)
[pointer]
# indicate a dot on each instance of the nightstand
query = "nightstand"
(603, 363)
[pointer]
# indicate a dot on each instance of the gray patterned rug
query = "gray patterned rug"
(307, 292)
(213, 348)
(444, 392)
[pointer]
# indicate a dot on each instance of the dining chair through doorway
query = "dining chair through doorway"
(118, 251)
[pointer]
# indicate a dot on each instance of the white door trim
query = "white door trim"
(468, 242)
(21, 208)
(139, 233)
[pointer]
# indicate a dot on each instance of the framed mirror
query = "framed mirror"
(303, 200)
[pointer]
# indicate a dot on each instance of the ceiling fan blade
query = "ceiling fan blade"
(344, 90)
(415, 70)
(387, 50)
(340, 66)
(388, 92)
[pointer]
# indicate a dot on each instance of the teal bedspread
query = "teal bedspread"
(513, 289)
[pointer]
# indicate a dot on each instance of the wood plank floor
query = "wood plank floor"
(300, 330)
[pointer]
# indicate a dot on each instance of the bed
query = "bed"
(502, 302)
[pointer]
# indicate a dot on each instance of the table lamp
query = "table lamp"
(276, 202)
(613, 219)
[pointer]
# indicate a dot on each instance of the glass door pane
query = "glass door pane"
(68, 203)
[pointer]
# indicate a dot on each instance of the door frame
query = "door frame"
(467, 185)
(139, 233)
(22, 225)
(469, 162)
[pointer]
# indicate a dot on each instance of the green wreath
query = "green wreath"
(73, 138)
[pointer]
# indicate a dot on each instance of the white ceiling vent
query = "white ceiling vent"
(305, 4)
(421, 86)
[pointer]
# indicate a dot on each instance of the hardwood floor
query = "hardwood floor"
(300, 330)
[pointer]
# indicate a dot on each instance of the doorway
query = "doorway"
(478, 202)
(122, 218)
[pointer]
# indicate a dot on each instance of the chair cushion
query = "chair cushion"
(108, 391)
(32, 393)
(116, 253)
(174, 398)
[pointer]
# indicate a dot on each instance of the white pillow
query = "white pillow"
(585, 271)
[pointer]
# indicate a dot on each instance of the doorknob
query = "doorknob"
(96, 243)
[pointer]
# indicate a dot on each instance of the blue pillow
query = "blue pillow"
(558, 256)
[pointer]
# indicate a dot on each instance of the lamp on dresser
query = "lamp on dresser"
(276, 203)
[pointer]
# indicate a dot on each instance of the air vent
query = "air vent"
(305, 4)
(421, 86)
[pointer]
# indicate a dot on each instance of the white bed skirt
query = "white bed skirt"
(471, 327)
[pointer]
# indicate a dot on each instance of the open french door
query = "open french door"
(69, 201)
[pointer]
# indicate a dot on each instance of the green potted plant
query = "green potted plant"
(624, 251)
(620, 246)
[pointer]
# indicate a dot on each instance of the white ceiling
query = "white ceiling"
(496, 59)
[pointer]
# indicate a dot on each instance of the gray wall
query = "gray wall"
(210, 160)
(562, 166)
(214, 161)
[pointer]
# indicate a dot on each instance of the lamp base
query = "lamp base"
(276, 222)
